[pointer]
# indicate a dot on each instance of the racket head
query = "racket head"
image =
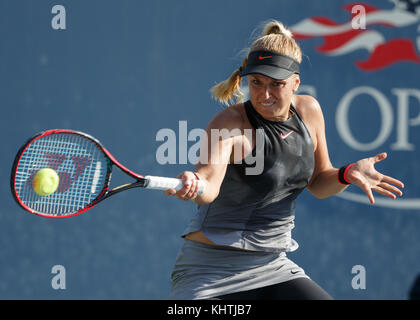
(81, 162)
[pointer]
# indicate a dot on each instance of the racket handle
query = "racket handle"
(163, 183)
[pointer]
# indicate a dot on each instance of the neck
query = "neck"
(284, 116)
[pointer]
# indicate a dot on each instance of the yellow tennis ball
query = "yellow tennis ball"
(45, 182)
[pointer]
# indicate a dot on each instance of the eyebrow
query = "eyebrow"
(274, 80)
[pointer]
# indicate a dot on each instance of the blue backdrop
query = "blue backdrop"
(123, 70)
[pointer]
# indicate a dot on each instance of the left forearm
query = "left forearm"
(325, 184)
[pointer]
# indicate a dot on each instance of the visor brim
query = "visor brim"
(267, 70)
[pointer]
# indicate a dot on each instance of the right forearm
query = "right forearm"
(209, 194)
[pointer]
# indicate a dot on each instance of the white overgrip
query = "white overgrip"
(163, 183)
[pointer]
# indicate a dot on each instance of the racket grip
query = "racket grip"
(163, 183)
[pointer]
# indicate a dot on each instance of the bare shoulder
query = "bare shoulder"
(231, 117)
(307, 106)
(310, 111)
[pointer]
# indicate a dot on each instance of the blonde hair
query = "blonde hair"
(276, 38)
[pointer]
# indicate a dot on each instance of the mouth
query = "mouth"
(267, 104)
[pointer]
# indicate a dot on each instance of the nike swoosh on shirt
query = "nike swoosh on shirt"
(261, 58)
(284, 136)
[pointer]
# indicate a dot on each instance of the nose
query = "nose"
(267, 93)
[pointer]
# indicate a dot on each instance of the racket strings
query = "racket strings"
(81, 167)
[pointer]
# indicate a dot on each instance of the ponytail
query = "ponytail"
(229, 91)
(276, 27)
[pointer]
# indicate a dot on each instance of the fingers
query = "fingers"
(393, 181)
(369, 193)
(390, 188)
(380, 157)
(170, 192)
(192, 193)
(387, 190)
(382, 188)
(384, 192)
(189, 191)
(190, 188)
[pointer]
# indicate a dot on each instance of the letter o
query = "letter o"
(342, 124)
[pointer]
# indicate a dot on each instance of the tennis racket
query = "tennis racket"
(84, 168)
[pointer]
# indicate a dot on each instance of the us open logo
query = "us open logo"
(387, 42)
(360, 32)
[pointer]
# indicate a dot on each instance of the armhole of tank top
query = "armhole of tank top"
(304, 125)
(248, 110)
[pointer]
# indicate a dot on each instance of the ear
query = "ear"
(296, 83)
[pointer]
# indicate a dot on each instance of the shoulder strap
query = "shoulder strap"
(252, 115)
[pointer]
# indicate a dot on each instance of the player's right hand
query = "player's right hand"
(190, 189)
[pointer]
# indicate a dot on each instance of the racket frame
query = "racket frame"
(105, 193)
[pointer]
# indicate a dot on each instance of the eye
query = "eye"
(278, 83)
(255, 81)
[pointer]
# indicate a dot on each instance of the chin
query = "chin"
(267, 106)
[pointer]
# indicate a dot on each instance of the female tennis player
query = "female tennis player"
(236, 244)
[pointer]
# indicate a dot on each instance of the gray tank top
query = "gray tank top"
(256, 212)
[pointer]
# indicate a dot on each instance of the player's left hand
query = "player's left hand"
(364, 175)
